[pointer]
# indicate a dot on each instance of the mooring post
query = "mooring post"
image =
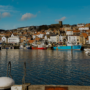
(9, 68)
(72, 52)
(23, 79)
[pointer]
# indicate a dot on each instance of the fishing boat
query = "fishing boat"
(41, 46)
(75, 47)
(21, 47)
(28, 47)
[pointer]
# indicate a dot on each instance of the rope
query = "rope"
(9, 69)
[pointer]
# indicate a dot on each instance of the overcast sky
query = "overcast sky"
(20, 13)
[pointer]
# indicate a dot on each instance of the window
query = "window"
(77, 39)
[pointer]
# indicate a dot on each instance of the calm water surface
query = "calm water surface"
(47, 66)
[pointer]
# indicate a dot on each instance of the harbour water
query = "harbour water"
(47, 67)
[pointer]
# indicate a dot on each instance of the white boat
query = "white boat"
(28, 47)
(87, 51)
(21, 46)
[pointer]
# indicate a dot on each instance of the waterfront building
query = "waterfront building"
(54, 38)
(62, 40)
(83, 38)
(88, 39)
(13, 39)
(75, 39)
(72, 40)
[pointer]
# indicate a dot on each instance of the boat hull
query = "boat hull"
(28, 47)
(42, 48)
(76, 47)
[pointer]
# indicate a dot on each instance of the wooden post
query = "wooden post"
(72, 52)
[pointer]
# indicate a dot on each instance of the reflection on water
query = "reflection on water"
(47, 66)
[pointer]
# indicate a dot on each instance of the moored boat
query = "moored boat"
(87, 49)
(28, 47)
(21, 47)
(75, 47)
(42, 47)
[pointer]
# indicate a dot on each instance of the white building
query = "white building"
(38, 35)
(3, 39)
(88, 39)
(34, 36)
(13, 39)
(69, 32)
(84, 28)
(81, 25)
(53, 38)
(72, 40)
(61, 38)
(45, 38)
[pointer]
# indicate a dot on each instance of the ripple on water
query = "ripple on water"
(47, 66)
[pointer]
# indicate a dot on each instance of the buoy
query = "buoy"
(6, 83)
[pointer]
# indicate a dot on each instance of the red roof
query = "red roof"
(75, 31)
(31, 41)
(85, 35)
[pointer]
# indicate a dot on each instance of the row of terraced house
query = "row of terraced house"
(76, 34)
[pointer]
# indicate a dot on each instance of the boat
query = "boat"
(21, 47)
(41, 46)
(87, 51)
(7, 47)
(75, 47)
(28, 47)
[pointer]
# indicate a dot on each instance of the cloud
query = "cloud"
(27, 16)
(7, 9)
(2, 6)
(0, 15)
(61, 19)
(6, 14)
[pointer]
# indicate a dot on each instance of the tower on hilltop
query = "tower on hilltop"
(60, 23)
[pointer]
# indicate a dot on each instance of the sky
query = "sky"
(22, 13)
